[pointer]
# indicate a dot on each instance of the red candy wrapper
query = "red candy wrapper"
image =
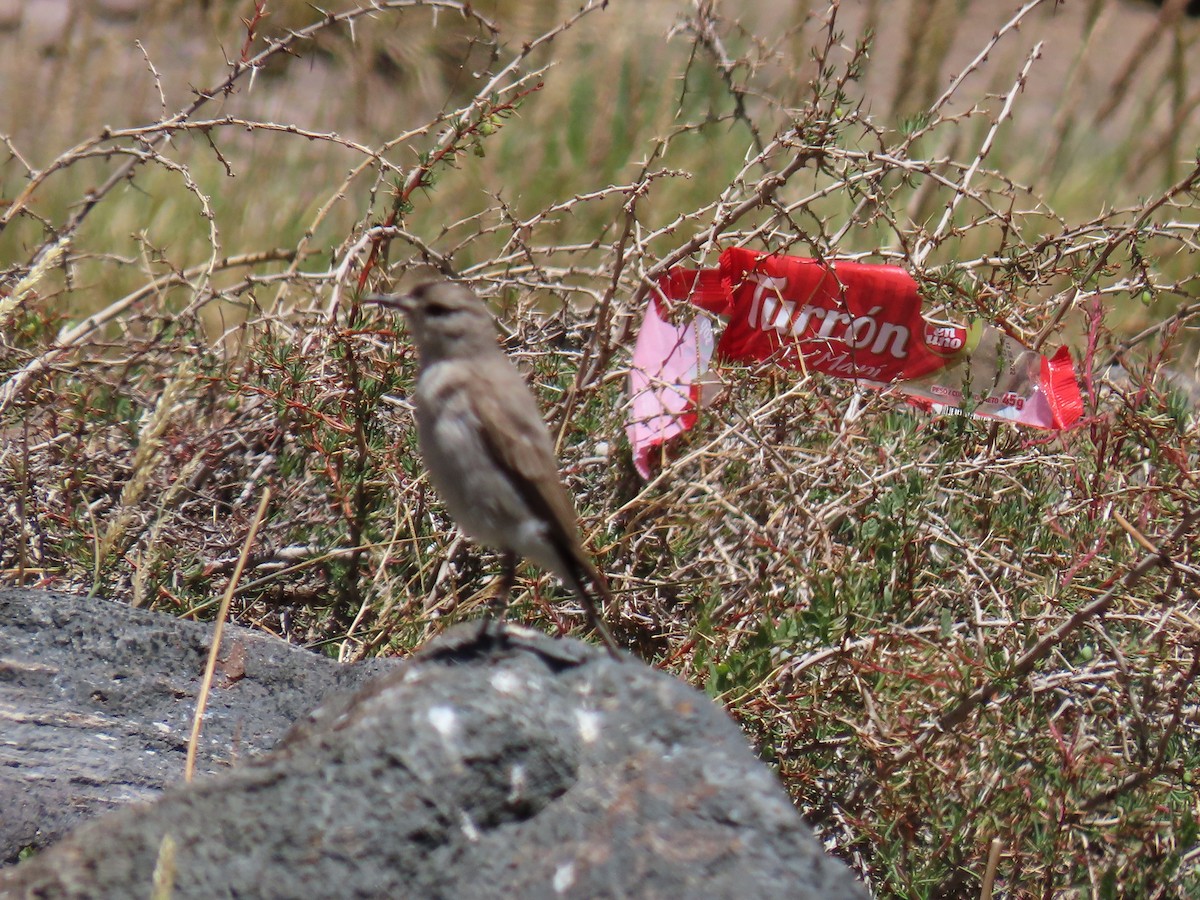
(846, 319)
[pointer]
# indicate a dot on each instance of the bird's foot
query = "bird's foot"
(491, 629)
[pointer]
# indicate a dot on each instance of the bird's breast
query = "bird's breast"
(477, 493)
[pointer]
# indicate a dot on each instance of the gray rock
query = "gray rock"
(97, 699)
(506, 764)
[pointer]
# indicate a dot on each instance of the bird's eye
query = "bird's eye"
(436, 310)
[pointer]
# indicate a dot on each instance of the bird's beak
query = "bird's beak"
(401, 302)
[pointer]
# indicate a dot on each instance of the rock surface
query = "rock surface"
(499, 765)
(97, 699)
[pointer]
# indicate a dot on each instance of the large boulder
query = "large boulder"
(97, 699)
(499, 763)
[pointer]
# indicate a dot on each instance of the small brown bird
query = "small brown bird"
(487, 448)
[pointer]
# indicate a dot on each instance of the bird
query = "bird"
(487, 448)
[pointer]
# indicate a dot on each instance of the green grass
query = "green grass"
(840, 586)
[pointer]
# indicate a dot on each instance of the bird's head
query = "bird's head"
(446, 319)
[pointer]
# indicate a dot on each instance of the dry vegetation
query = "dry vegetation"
(971, 651)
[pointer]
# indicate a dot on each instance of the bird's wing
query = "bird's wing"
(517, 440)
(516, 437)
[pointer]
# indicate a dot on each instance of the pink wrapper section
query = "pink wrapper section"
(668, 361)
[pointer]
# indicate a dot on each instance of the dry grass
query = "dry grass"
(957, 642)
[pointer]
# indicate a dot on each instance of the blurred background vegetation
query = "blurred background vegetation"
(1104, 120)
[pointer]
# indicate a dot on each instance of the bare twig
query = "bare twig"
(218, 627)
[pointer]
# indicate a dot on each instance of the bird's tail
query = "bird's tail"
(597, 599)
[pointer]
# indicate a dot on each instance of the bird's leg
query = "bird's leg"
(498, 605)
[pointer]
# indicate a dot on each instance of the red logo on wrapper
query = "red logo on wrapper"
(846, 319)
(945, 340)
